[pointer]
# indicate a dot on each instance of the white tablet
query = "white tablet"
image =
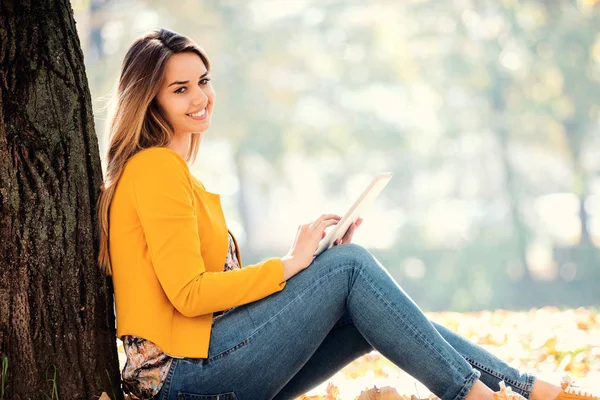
(356, 211)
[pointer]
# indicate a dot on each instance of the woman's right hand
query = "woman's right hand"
(305, 244)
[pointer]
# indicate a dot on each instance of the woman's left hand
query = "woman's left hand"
(349, 233)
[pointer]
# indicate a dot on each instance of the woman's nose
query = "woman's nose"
(200, 98)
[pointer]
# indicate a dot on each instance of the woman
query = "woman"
(195, 325)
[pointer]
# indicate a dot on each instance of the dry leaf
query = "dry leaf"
(333, 393)
(506, 393)
(385, 393)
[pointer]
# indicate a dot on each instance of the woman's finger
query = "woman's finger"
(347, 238)
(324, 217)
(326, 223)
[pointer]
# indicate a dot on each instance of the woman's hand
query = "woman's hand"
(305, 244)
(349, 233)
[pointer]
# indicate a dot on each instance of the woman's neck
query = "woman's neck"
(181, 144)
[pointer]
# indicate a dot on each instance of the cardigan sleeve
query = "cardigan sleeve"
(163, 195)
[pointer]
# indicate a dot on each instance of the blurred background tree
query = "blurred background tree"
(486, 111)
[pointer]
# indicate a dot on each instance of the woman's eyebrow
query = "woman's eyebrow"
(184, 82)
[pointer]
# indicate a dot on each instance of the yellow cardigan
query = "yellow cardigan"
(168, 245)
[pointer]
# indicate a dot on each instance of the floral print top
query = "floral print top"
(147, 366)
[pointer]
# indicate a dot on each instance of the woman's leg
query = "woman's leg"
(345, 343)
(493, 370)
(258, 348)
(342, 345)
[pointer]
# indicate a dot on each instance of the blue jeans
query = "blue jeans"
(344, 305)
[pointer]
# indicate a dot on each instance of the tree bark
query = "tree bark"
(57, 326)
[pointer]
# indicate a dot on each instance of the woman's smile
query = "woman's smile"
(199, 115)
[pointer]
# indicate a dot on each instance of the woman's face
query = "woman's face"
(186, 96)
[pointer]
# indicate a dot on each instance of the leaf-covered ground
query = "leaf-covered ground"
(547, 341)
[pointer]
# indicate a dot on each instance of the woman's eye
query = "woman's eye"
(204, 81)
(180, 90)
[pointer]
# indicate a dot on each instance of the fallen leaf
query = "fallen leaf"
(385, 393)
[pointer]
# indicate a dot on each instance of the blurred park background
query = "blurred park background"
(487, 113)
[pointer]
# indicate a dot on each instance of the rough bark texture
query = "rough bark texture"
(56, 307)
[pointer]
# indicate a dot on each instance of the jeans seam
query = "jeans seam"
(226, 352)
(410, 326)
(346, 267)
(529, 384)
(521, 386)
(167, 382)
(468, 385)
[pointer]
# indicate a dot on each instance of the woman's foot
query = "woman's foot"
(543, 390)
(479, 391)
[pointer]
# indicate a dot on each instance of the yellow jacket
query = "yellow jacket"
(168, 245)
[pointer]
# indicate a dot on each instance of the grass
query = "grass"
(111, 385)
(4, 373)
(54, 391)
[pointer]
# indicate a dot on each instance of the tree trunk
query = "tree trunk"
(57, 327)
(498, 96)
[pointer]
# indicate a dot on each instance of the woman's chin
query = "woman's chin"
(199, 129)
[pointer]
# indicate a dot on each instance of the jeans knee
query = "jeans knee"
(353, 254)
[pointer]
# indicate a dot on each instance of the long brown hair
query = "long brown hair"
(135, 122)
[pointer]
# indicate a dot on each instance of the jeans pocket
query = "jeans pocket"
(193, 396)
(228, 351)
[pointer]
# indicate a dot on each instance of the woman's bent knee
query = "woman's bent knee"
(349, 254)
